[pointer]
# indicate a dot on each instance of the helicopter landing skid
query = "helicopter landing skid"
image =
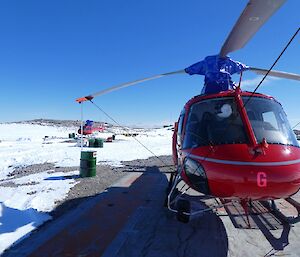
(177, 203)
(288, 219)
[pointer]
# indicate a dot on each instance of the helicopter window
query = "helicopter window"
(269, 121)
(214, 121)
(180, 124)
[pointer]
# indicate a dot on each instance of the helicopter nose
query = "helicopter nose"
(253, 182)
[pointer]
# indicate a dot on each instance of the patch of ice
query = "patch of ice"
(23, 208)
(16, 153)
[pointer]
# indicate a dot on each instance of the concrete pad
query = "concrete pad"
(129, 220)
(154, 232)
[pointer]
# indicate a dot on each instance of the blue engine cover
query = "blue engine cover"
(89, 123)
(217, 71)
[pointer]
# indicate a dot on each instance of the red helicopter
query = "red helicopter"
(227, 143)
(89, 129)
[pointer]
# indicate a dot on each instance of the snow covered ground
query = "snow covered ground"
(24, 204)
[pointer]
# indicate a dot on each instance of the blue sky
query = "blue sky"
(53, 52)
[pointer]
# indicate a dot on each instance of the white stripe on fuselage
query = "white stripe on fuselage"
(243, 163)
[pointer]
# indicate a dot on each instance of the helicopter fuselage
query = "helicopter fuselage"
(236, 145)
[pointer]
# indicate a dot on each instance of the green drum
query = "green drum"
(88, 164)
(71, 135)
(92, 142)
(98, 142)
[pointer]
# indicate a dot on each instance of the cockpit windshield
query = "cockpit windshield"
(214, 122)
(269, 121)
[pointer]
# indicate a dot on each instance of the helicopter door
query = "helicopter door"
(179, 136)
(179, 131)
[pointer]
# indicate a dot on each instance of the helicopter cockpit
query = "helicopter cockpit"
(214, 121)
(217, 121)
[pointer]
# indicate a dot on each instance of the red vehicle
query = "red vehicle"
(227, 143)
(235, 145)
(88, 128)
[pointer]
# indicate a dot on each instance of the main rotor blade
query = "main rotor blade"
(255, 14)
(275, 73)
(127, 84)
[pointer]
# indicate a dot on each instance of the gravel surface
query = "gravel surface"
(89, 187)
(105, 177)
